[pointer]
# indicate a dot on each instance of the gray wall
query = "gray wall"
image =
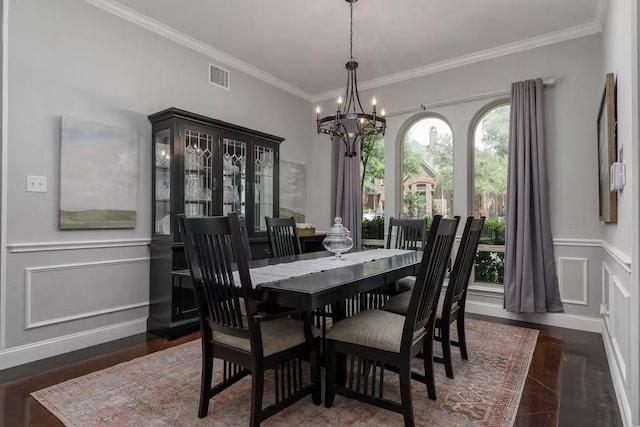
(620, 272)
(68, 58)
(571, 116)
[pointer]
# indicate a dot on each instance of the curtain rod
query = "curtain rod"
(495, 94)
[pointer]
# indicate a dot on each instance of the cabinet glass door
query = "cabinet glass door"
(263, 186)
(234, 176)
(162, 185)
(199, 180)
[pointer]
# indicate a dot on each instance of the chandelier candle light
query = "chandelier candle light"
(350, 123)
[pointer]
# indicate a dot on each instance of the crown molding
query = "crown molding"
(118, 9)
(495, 52)
(137, 18)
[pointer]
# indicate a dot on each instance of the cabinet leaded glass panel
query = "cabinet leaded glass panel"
(234, 176)
(198, 176)
(263, 186)
(163, 182)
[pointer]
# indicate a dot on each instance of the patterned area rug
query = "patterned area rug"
(161, 389)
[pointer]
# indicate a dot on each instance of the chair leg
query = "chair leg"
(405, 394)
(462, 338)
(205, 380)
(257, 386)
(330, 359)
(316, 394)
(445, 333)
(427, 353)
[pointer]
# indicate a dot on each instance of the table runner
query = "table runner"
(277, 272)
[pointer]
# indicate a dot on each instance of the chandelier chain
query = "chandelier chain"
(351, 33)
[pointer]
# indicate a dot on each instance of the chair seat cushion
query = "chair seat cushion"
(406, 283)
(399, 304)
(277, 335)
(372, 328)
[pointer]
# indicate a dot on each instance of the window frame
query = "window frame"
(475, 121)
(403, 131)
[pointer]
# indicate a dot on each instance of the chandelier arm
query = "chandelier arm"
(355, 84)
(349, 96)
(346, 94)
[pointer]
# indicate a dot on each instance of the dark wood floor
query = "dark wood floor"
(568, 383)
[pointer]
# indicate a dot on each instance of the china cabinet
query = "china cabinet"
(202, 167)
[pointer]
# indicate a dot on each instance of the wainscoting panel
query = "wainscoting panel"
(619, 323)
(66, 292)
(573, 279)
(606, 278)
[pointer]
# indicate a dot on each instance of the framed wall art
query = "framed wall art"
(98, 176)
(607, 151)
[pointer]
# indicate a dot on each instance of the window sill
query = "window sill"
(487, 288)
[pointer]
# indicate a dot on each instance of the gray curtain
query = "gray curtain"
(346, 198)
(530, 282)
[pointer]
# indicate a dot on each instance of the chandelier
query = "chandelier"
(350, 123)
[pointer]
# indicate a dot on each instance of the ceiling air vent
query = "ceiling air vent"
(218, 76)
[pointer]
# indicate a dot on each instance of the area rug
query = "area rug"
(162, 389)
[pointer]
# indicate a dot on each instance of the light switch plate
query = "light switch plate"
(37, 184)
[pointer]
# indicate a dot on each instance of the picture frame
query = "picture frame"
(98, 176)
(607, 151)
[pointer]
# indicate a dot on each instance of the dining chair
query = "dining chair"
(283, 237)
(250, 343)
(407, 233)
(406, 283)
(378, 340)
(451, 305)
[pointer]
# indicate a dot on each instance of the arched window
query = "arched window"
(491, 146)
(427, 169)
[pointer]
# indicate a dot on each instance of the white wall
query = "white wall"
(620, 281)
(571, 109)
(68, 58)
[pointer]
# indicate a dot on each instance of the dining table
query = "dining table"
(336, 283)
(332, 281)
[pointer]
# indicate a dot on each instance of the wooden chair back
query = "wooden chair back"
(409, 233)
(461, 272)
(431, 272)
(283, 237)
(212, 245)
(245, 236)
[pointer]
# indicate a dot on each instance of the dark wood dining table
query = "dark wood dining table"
(330, 287)
(333, 287)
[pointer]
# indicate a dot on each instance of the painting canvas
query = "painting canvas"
(293, 190)
(608, 200)
(98, 176)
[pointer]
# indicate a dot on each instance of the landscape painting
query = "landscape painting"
(293, 190)
(98, 176)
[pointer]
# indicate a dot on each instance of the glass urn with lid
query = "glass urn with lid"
(338, 239)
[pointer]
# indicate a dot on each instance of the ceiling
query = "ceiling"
(302, 45)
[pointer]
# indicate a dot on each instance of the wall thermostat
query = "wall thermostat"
(617, 176)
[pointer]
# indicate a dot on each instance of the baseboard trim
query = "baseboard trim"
(616, 378)
(561, 320)
(64, 344)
